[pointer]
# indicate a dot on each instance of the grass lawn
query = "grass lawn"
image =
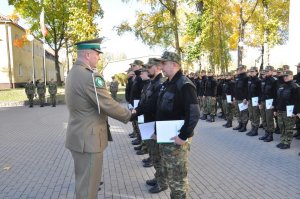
(18, 94)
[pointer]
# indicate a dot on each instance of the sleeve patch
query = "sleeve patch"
(99, 82)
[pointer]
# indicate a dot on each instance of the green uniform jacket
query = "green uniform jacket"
(87, 130)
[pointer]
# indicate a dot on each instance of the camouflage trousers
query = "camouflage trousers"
(30, 99)
(228, 110)
(254, 114)
(210, 105)
(243, 116)
(286, 125)
(114, 95)
(155, 157)
(42, 99)
(136, 130)
(219, 104)
(297, 123)
(200, 101)
(267, 118)
(175, 167)
(53, 99)
(204, 105)
(235, 109)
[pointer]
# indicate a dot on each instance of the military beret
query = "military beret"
(93, 44)
(287, 72)
(151, 62)
(269, 68)
(169, 56)
(137, 63)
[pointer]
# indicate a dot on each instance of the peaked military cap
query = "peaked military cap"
(241, 66)
(152, 62)
(269, 68)
(169, 56)
(279, 70)
(287, 72)
(93, 44)
(137, 63)
(253, 69)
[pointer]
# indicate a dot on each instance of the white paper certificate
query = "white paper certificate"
(269, 103)
(135, 103)
(254, 101)
(228, 99)
(165, 130)
(289, 110)
(141, 119)
(243, 106)
(147, 130)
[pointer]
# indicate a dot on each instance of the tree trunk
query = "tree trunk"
(57, 68)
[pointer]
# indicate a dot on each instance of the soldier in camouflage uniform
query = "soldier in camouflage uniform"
(297, 80)
(227, 90)
(177, 100)
(41, 90)
(211, 96)
(30, 92)
(113, 88)
(52, 89)
(288, 94)
(200, 90)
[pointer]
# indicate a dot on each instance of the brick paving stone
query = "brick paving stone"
(223, 163)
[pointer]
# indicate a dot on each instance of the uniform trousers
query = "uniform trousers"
(243, 116)
(88, 172)
(286, 125)
(267, 118)
(254, 114)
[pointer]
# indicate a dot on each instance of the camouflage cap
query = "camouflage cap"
(286, 67)
(151, 62)
(93, 44)
(169, 56)
(269, 68)
(210, 71)
(287, 72)
(143, 69)
(279, 70)
(242, 67)
(253, 69)
(203, 71)
(137, 63)
(262, 72)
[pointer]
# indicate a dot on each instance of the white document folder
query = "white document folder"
(254, 101)
(243, 106)
(228, 99)
(165, 130)
(147, 130)
(269, 103)
(141, 119)
(289, 110)
(135, 103)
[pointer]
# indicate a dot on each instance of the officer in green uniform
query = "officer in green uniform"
(41, 90)
(89, 105)
(30, 92)
(52, 89)
(288, 95)
(114, 87)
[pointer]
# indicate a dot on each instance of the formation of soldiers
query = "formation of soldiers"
(173, 97)
(269, 99)
(40, 88)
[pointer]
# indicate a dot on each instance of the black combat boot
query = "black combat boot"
(157, 188)
(277, 130)
(211, 119)
(225, 124)
(239, 126)
(244, 127)
(254, 132)
(269, 138)
(204, 117)
(250, 132)
(152, 182)
(265, 136)
(229, 124)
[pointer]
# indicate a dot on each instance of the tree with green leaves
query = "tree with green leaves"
(160, 27)
(70, 20)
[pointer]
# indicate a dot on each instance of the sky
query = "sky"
(115, 11)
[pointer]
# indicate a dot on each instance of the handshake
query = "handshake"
(133, 115)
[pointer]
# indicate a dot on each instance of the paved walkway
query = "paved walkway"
(223, 163)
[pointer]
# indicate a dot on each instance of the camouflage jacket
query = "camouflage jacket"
(29, 89)
(52, 88)
(114, 86)
(41, 89)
